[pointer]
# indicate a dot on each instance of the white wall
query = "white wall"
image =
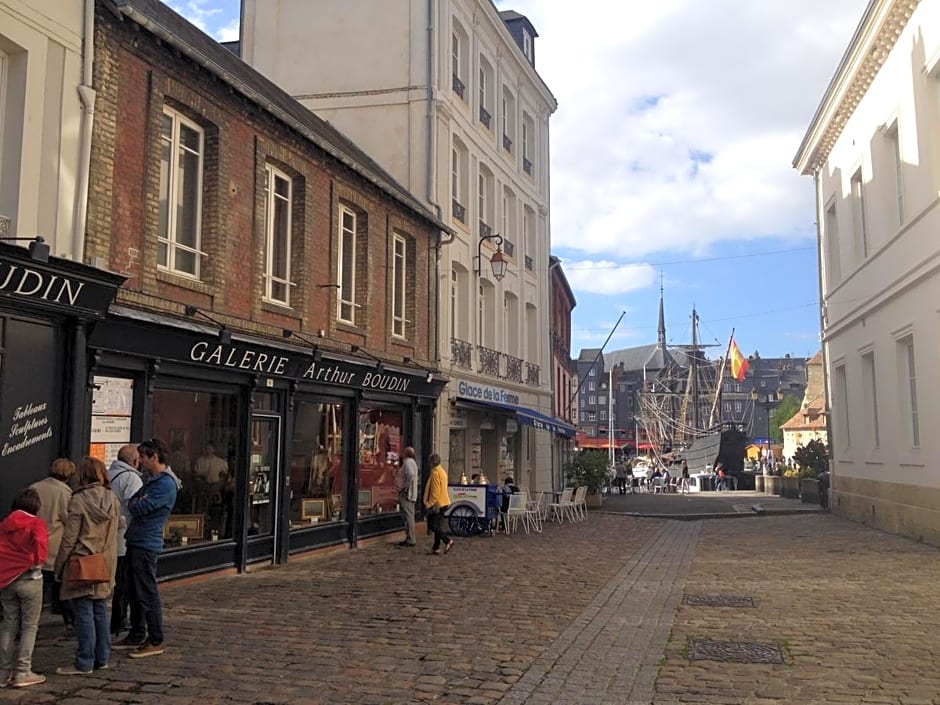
(41, 41)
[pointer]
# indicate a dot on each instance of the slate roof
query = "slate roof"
(650, 356)
(198, 46)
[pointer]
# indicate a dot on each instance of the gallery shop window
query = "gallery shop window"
(181, 158)
(277, 234)
(317, 479)
(200, 429)
(380, 446)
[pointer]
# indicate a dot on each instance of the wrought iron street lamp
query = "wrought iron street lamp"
(498, 260)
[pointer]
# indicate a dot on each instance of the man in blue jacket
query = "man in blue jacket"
(149, 508)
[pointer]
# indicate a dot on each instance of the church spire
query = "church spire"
(662, 316)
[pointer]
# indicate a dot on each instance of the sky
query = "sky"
(671, 153)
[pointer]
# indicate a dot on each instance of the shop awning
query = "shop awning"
(525, 416)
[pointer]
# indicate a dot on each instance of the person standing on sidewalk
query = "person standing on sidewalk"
(436, 500)
(406, 481)
(92, 526)
(54, 496)
(24, 544)
(125, 481)
(149, 509)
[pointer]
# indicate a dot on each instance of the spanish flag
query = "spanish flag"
(739, 363)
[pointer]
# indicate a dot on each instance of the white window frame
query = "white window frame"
(271, 175)
(453, 303)
(858, 214)
(908, 388)
(399, 287)
(893, 135)
(527, 44)
(592, 400)
(455, 54)
(840, 379)
(346, 292)
(525, 139)
(483, 86)
(870, 387)
(455, 173)
(481, 197)
(170, 237)
(832, 245)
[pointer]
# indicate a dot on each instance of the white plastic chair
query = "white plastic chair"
(533, 511)
(515, 510)
(579, 503)
(657, 485)
(562, 506)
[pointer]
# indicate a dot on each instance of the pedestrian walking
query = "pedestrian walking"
(149, 508)
(125, 481)
(54, 496)
(621, 478)
(436, 500)
(406, 481)
(24, 543)
(90, 530)
(684, 479)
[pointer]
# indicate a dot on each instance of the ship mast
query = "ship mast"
(696, 409)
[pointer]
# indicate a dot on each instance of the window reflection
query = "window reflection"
(316, 476)
(380, 444)
(199, 429)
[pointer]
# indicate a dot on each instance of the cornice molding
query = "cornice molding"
(876, 36)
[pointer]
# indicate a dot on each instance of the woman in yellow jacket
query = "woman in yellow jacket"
(436, 500)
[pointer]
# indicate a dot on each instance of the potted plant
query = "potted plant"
(813, 459)
(589, 468)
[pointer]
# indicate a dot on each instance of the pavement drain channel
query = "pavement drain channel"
(734, 652)
(627, 624)
(719, 601)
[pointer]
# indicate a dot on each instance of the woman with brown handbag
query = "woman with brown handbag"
(85, 564)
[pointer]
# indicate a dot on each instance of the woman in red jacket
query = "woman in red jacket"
(24, 544)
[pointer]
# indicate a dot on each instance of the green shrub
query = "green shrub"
(589, 467)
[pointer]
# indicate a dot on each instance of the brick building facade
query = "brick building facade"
(277, 324)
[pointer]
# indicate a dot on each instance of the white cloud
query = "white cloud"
(606, 277)
(199, 12)
(677, 120)
(229, 32)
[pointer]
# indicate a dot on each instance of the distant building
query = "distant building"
(809, 423)
(873, 152)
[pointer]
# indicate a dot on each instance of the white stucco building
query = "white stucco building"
(444, 94)
(45, 132)
(873, 149)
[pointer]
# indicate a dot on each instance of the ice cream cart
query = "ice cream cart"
(473, 508)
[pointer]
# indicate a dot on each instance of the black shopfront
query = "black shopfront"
(279, 448)
(47, 307)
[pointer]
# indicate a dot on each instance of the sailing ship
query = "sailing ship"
(680, 410)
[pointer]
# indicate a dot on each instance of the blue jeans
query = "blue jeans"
(22, 603)
(93, 631)
(143, 567)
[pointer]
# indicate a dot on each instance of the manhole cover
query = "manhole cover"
(734, 652)
(719, 601)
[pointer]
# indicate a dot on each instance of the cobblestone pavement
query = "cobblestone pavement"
(590, 612)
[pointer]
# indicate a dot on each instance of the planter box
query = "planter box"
(809, 490)
(791, 487)
(594, 501)
(773, 484)
(759, 483)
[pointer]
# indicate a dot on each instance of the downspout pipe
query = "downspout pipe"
(823, 324)
(87, 95)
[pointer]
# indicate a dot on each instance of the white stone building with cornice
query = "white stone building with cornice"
(46, 110)
(444, 94)
(873, 150)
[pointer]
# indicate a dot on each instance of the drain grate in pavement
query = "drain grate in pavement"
(719, 601)
(734, 652)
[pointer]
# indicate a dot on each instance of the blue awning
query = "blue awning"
(525, 416)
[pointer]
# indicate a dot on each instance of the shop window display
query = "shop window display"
(380, 445)
(200, 430)
(316, 475)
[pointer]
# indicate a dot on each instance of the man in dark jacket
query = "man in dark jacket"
(149, 508)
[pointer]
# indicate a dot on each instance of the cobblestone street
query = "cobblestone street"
(588, 613)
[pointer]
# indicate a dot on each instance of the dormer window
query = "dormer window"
(527, 45)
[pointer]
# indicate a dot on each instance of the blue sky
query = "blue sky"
(671, 151)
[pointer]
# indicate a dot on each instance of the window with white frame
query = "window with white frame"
(870, 386)
(454, 310)
(592, 416)
(858, 215)
(458, 58)
(602, 414)
(591, 386)
(180, 213)
(832, 249)
(347, 305)
(455, 54)
(486, 93)
(277, 235)
(527, 44)
(399, 286)
(908, 389)
(459, 176)
(727, 406)
(897, 165)
(592, 372)
(592, 400)
(841, 396)
(738, 407)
